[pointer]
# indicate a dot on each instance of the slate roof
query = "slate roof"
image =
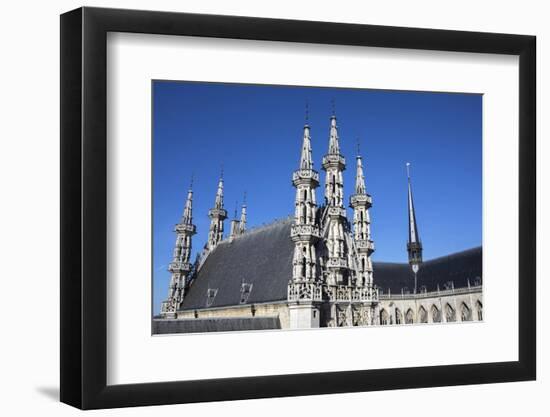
(457, 268)
(263, 257)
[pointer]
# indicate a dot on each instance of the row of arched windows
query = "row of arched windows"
(422, 317)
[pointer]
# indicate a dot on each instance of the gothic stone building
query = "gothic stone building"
(315, 268)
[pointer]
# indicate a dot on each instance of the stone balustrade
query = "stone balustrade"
(179, 267)
(182, 227)
(333, 160)
(305, 230)
(365, 245)
(430, 294)
(360, 200)
(305, 174)
(317, 292)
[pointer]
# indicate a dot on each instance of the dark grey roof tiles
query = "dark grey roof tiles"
(457, 268)
(263, 257)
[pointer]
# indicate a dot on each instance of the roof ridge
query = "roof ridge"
(259, 228)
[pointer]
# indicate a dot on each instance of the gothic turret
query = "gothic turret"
(305, 231)
(217, 216)
(180, 267)
(334, 165)
(361, 202)
(303, 298)
(414, 245)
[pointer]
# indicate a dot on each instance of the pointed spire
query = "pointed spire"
(305, 158)
(360, 177)
(414, 246)
(242, 224)
(414, 237)
(234, 224)
(187, 217)
(334, 144)
(219, 194)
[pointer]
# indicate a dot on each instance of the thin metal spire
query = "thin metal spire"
(414, 245)
(307, 112)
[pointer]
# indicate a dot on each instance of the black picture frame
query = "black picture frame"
(84, 207)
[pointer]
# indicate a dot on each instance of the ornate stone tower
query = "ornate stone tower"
(360, 202)
(334, 165)
(414, 245)
(180, 267)
(303, 296)
(217, 216)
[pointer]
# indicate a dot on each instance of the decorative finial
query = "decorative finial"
(307, 112)
(408, 170)
(191, 183)
(333, 104)
(358, 147)
(235, 213)
(244, 198)
(221, 171)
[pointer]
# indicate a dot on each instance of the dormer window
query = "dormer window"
(210, 296)
(246, 289)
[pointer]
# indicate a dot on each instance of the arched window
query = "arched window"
(398, 317)
(436, 315)
(383, 317)
(465, 312)
(479, 310)
(409, 317)
(450, 314)
(422, 315)
(362, 264)
(303, 267)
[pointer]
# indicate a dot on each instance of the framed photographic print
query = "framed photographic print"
(258, 208)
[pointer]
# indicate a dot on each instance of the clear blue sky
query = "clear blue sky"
(256, 133)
